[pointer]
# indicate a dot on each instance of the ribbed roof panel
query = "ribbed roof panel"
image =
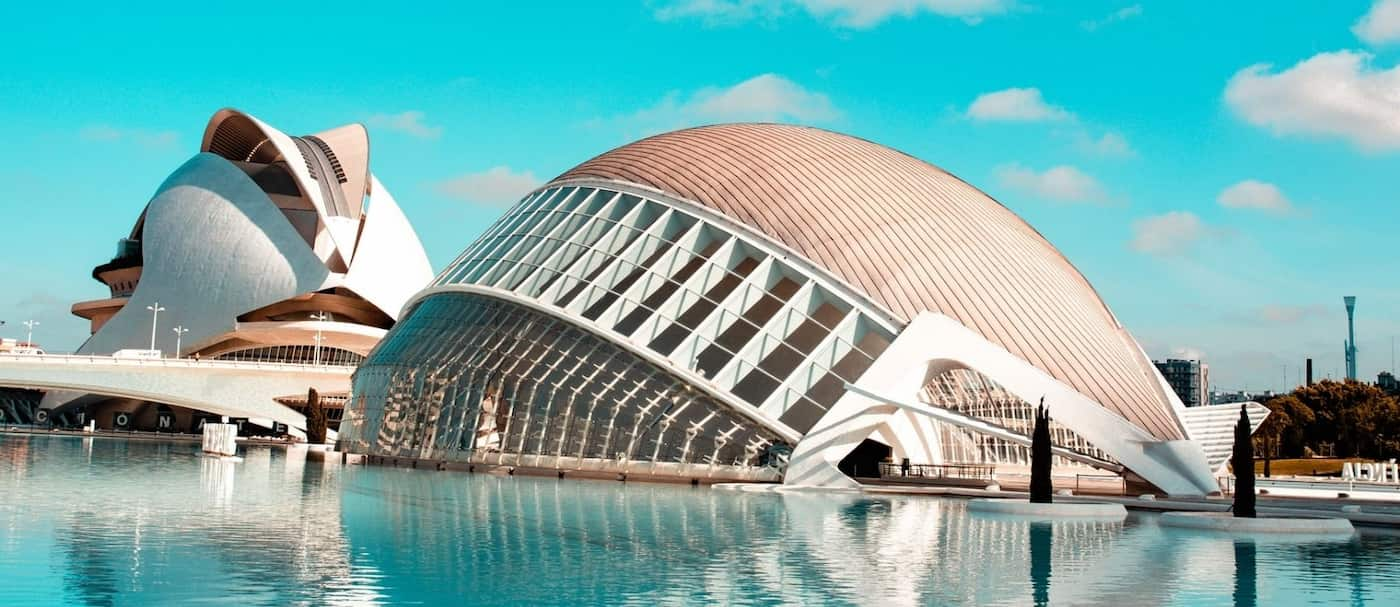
(912, 237)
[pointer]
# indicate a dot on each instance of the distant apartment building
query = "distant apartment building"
(1386, 381)
(1240, 396)
(1190, 379)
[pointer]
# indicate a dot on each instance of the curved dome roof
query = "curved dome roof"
(912, 237)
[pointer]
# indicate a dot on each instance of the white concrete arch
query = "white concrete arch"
(884, 402)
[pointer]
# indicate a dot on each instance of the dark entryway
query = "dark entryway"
(865, 459)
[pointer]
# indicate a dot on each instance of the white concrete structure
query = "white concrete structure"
(757, 296)
(248, 242)
(227, 388)
(1213, 427)
(1226, 522)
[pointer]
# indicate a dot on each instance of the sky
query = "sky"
(1223, 173)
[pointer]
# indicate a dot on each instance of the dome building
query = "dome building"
(764, 302)
(262, 247)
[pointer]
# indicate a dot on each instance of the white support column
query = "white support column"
(495, 228)
(557, 224)
(711, 271)
(482, 250)
(816, 365)
(771, 335)
(728, 311)
(601, 250)
(686, 246)
(575, 233)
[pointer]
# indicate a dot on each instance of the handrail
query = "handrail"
(186, 363)
(937, 471)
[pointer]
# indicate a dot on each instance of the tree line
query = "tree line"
(1337, 418)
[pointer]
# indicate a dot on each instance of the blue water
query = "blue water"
(109, 522)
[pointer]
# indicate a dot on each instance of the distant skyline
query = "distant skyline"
(1223, 175)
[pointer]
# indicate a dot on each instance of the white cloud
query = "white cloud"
(763, 98)
(1110, 144)
(1381, 25)
(1015, 104)
(1186, 353)
(718, 12)
(1334, 94)
(1255, 195)
(1122, 14)
(409, 122)
(107, 133)
(495, 186)
(1062, 183)
(856, 14)
(1286, 315)
(1168, 235)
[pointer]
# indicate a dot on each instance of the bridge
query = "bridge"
(233, 388)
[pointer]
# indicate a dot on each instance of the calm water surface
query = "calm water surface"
(107, 522)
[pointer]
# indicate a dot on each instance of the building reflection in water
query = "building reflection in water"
(156, 524)
(159, 526)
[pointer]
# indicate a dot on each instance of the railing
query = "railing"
(186, 363)
(937, 472)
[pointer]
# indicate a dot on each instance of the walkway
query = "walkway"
(232, 388)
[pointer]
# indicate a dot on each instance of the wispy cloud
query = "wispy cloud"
(1380, 25)
(1279, 314)
(1109, 145)
(1120, 15)
(1063, 183)
(1173, 234)
(1015, 105)
(107, 133)
(764, 98)
(1336, 94)
(410, 122)
(496, 186)
(854, 14)
(1256, 195)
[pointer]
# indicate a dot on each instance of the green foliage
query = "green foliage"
(1349, 418)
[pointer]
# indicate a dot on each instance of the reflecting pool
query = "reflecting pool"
(110, 522)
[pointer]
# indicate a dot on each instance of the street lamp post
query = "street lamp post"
(155, 315)
(180, 331)
(30, 324)
(319, 317)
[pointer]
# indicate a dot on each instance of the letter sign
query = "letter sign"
(121, 420)
(165, 421)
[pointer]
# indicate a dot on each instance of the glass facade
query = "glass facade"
(296, 354)
(975, 395)
(725, 305)
(467, 377)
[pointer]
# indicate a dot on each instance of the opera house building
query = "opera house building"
(739, 302)
(262, 247)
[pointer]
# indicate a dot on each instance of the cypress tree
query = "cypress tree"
(1242, 460)
(1041, 487)
(315, 418)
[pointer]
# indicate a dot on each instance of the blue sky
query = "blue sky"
(1222, 172)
